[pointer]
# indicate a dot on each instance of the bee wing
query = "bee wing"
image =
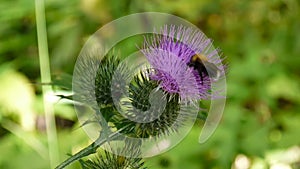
(212, 70)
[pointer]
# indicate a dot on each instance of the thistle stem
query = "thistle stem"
(91, 149)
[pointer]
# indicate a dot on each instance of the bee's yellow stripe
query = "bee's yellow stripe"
(199, 56)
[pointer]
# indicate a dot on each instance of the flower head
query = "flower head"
(170, 53)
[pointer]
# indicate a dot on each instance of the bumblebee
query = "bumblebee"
(200, 63)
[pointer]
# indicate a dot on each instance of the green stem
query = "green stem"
(46, 78)
(91, 149)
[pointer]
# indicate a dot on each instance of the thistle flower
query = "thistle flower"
(104, 77)
(105, 160)
(139, 106)
(170, 53)
(173, 70)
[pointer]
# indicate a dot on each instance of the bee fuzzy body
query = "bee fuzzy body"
(200, 63)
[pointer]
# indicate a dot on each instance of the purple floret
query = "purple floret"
(169, 53)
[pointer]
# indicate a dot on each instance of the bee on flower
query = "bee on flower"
(184, 61)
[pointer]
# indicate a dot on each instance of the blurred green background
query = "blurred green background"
(261, 43)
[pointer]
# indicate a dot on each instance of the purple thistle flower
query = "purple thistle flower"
(170, 52)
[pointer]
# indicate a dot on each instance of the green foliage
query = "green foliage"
(260, 39)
